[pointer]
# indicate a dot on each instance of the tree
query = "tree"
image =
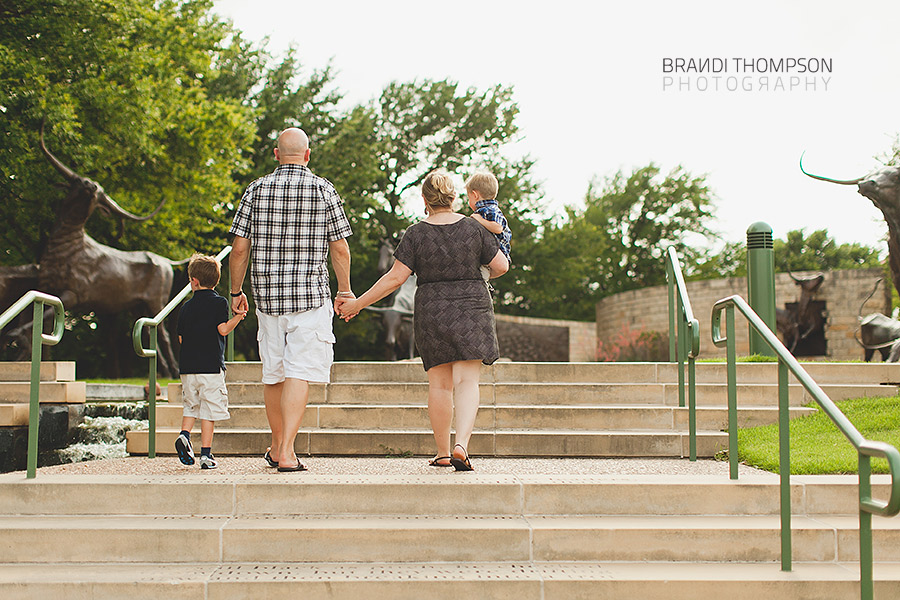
(122, 86)
(818, 252)
(423, 126)
(618, 241)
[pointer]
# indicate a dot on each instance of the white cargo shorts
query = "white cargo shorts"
(204, 396)
(297, 345)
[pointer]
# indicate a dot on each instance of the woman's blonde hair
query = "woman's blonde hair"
(438, 189)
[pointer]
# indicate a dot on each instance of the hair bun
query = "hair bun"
(438, 188)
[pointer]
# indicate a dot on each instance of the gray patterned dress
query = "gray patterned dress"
(454, 316)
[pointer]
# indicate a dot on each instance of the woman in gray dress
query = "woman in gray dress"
(454, 316)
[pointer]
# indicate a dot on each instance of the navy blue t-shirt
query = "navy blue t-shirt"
(202, 348)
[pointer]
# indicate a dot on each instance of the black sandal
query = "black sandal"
(434, 461)
(271, 463)
(461, 464)
(298, 467)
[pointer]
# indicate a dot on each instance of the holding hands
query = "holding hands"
(346, 305)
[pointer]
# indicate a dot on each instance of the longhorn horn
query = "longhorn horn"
(116, 210)
(66, 171)
(819, 177)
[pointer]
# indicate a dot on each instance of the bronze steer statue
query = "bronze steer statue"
(882, 187)
(878, 332)
(88, 276)
(798, 323)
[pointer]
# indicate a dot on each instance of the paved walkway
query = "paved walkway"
(236, 465)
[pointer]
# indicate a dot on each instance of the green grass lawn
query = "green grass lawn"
(818, 446)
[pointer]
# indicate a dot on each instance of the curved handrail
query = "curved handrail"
(38, 339)
(684, 339)
(59, 322)
(866, 449)
(692, 324)
(152, 323)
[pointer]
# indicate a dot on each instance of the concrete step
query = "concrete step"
(51, 392)
(13, 415)
(355, 416)
(516, 372)
(549, 443)
(552, 394)
(50, 371)
(414, 581)
(454, 539)
(268, 493)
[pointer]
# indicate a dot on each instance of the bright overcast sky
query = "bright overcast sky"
(589, 81)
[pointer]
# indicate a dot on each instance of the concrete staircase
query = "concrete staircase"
(444, 535)
(527, 409)
(546, 535)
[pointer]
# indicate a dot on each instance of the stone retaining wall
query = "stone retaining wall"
(529, 339)
(842, 291)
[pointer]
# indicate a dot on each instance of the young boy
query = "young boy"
(202, 323)
(481, 188)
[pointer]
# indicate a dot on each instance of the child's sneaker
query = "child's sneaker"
(184, 449)
(207, 461)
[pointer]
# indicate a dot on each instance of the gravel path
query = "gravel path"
(236, 465)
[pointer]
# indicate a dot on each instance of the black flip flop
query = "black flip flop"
(434, 461)
(461, 464)
(272, 463)
(298, 467)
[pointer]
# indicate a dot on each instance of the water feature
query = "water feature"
(101, 434)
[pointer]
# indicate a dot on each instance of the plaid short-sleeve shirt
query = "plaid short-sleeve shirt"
(490, 210)
(289, 216)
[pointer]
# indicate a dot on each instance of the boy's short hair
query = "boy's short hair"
(206, 269)
(484, 183)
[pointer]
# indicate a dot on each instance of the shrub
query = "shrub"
(634, 345)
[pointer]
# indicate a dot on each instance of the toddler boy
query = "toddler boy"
(202, 325)
(481, 188)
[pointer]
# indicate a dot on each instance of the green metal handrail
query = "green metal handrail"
(684, 341)
(153, 323)
(38, 339)
(865, 448)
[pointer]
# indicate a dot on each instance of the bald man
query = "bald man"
(288, 223)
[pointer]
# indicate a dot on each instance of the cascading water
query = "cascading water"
(99, 438)
(101, 434)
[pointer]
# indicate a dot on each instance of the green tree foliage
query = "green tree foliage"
(122, 85)
(818, 252)
(728, 261)
(421, 126)
(617, 241)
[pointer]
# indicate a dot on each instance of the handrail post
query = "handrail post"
(784, 452)
(151, 395)
(866, 584)
(229, 340)
(670, 280)
(732, 392)
(34, 407)
(682, 350)
(692, 407)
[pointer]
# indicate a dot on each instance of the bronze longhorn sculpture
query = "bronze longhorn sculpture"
(89, 276)
(797, 323)
(882, 187)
